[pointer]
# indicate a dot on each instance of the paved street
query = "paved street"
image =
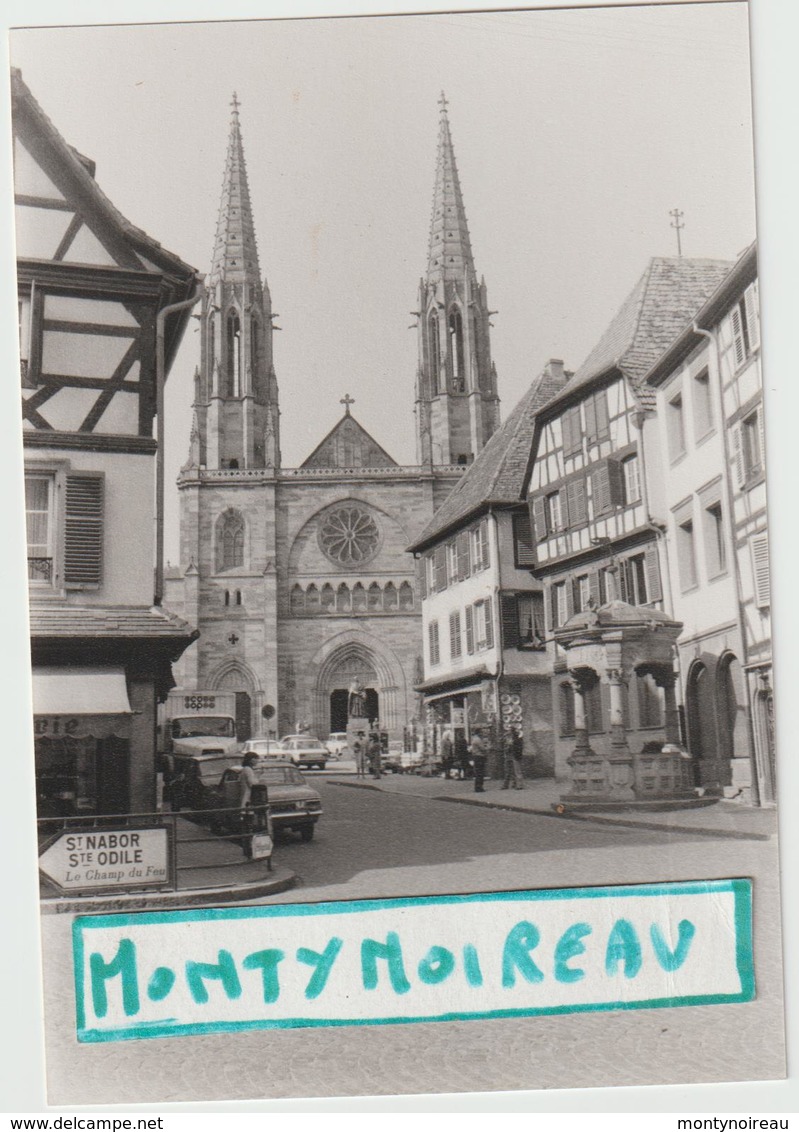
(374, 843)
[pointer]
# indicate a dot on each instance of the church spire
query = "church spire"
(450, 250)
(236, 395)
(457, 407)
(235, 256)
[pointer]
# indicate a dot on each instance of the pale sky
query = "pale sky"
(575, 132)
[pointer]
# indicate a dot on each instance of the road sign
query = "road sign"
(107, 859)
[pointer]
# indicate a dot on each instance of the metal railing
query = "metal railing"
(40, 569)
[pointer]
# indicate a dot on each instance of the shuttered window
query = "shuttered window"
(440, 559)
(523, 540)
(483, 625)
(760, 570)
(539, 519)
(432, 640)
(597, 424)
(469, 629)
(464, 562)
(83, 530)
(509, 616)
(653, 583)
(600, 489)
(576, 503)
(455, 643)
(572, 431)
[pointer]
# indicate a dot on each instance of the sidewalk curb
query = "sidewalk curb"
(593, 819)
(280, 880)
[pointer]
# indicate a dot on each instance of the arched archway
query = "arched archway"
(700, 710)
(352, 656)
(235, 677)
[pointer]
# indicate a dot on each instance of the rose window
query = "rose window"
(349, 536)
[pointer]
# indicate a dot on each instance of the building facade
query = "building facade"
(485, 658)
(90, 289)
(708, 488)
(299, 579)
(595, 539)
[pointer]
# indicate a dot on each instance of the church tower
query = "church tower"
(457, 406)
(236, 396)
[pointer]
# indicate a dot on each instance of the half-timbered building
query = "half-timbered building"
(708, 487)
(90, 288)
(594, 535)
(484, 637)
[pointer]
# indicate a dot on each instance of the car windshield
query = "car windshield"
(193, 726)
(279, 775)
(209, 770)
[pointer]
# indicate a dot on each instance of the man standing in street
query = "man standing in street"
(513, 749)
(479, 753)
(375, 756)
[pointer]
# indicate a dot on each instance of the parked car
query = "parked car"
(264, 748)
(305, 750)
(402, 762)
(293, 804)
(193, 779)
(337, 744)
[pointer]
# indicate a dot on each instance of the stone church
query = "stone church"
(298, 579)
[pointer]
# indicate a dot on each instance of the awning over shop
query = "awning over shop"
(80, 691)
(460, 691)
(461, 682)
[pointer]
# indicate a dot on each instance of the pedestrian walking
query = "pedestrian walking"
(479, 753)
(359, 750)
(447, 753)
(513, 748)
(462, 756)
(375, 757)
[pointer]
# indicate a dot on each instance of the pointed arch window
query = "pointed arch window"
(211, 341)
(434, 346)
(456, 350)
(406, 596)
(233, 355)
(390, 599)
(358, 598)
(312, 599)
(343, 599)
(328, 598)
(230, 541)
(297, 600)
(254, 343)
(374, 598)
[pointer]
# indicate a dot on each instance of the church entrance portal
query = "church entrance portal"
(338, 707)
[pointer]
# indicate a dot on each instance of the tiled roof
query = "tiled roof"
(105, 622)
(662, 303)
(498, 474)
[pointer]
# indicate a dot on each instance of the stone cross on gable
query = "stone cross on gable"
(346, 401)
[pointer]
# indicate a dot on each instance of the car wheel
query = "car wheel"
(306, 833)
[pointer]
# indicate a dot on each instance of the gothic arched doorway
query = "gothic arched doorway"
(352, 664)
(236, 681)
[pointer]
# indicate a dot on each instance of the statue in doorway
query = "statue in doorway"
(356, 700)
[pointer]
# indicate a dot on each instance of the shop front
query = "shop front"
(82, 741)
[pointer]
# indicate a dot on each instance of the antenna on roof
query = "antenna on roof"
(678, 226)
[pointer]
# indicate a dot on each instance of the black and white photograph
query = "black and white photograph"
(395, 453)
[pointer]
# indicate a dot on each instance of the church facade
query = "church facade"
(298, 579)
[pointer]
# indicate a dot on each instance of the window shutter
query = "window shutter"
(654, 591)
(760, 570)
(523, 538)
(616, 483)
(590, 420)
(601, 412)
(563, 501)
(441, 568)
(752, 315)
(738, 335)
(569, 598)
(572, 436)
(761, 432)
(600, 488)
(539, 518)
(552, 607)
(488, 613)
(484, 544)
(455, 635)
(463, 555)
(509, 615)
(422, 577)
(575, 490)
(738, 454)
(622, 589)
(83, 530)
(594, 587)
(469, 629)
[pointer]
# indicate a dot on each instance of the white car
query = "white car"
(337, 744)
(264, 748)
(305, 750)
